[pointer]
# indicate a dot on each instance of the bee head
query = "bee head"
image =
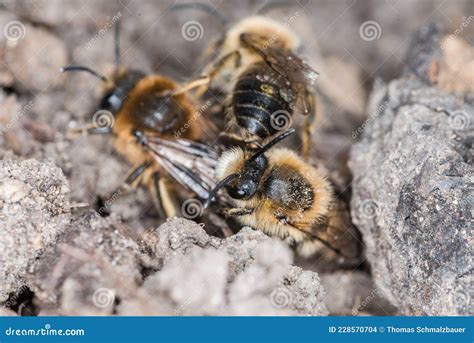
(240, 173)
(246, 183)
(116, 89)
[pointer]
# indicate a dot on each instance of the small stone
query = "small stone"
(246, 274)
(36, 58)
(30, 221)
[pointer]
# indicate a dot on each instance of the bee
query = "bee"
(265, 80)
(278, 192)
(143, 116)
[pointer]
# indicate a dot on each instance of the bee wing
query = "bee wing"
(288, 65)
(190, 163)
(338, 232)
(282, 61)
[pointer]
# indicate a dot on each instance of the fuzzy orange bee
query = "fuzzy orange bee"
(143, 115)
(276, 191)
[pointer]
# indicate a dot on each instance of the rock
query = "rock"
(95, 263)
(13, 114)
(446, 61)
(353, 293)
(412, 197)
(34, 58)
(4, 312)
(423, 52)
(307, 292)
(177, 236)
(35, 210)
(245, 274)
(455, 72)
(392, 44)
(257, 290)
(74, 263)
(270, 286)
(194, 284)
(6, 77)
(98, 267)
(56, 12)
(51, 15)
(241, 247)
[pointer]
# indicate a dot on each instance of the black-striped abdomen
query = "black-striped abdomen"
(261, 99)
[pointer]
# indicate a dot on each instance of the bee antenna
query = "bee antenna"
(117, 43)
(203, 7)
(83, 68)
(219, 185)
(270, 5)
(270, 144)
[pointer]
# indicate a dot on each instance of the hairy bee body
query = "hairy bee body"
(144, 103)
(278, 192)
(262, 101)
(143, 114)
(291, 196)
(269, 31)
(258, 69)
(147, 108)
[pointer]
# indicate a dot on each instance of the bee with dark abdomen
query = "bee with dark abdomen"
(276, 191)
(145, 115)
(266, 81)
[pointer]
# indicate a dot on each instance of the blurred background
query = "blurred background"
(353, 44)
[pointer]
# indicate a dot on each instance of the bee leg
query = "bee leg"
(201, 81)
(232, 136)
(76, 131)
(206, 80)
(130, 182)
(237, 212)
(99, 131)
(238, 139)
(254, 141)
(309, 125)
(282, 218)
(161, 197)
(220, 63)
(136, 173)
(89, 129)
(324, 241)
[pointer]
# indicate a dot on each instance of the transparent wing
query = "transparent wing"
(190, 163)
(288, 65)
(282, 61)
(338, 232)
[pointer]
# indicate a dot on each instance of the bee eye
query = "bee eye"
(236, 193)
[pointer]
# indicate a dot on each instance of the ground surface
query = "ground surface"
(58, 256)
